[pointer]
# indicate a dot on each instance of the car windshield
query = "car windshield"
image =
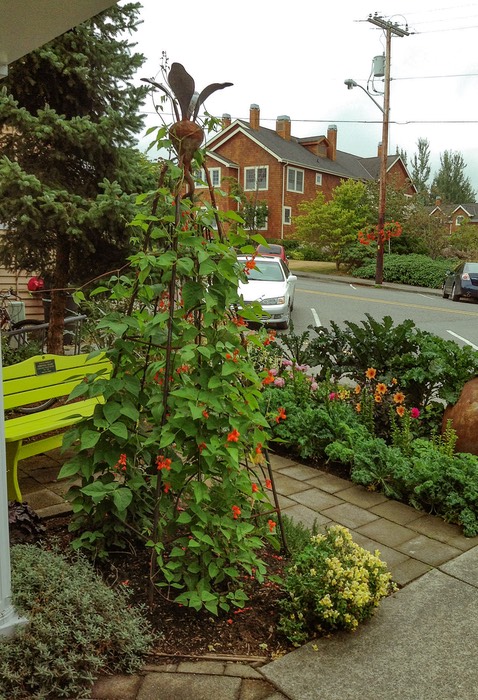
(471, 267)
(266, 271)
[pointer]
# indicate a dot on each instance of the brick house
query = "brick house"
(283, 170)
(453, 215)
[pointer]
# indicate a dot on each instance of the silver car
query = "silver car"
(270, 283)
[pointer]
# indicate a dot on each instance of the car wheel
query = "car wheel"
(454, 296)
(445, 295)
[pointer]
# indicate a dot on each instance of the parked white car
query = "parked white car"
(271, 284)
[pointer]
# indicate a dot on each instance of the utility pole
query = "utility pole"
(390, 29)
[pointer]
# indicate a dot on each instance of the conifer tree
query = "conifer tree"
(69, 169)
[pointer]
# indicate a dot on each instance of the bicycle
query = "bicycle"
(17, 331)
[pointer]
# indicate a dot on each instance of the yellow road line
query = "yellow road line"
(390, 303)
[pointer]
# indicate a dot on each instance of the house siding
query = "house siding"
(243, 149)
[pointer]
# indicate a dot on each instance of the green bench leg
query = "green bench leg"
(13, 489)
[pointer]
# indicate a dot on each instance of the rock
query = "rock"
(464, 418)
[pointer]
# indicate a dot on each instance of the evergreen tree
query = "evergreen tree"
(421, 169)
(450, 183)
(69, 170)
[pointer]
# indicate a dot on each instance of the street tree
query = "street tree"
(421, 170)
(450, 182)
(69, 168)
(333, 225)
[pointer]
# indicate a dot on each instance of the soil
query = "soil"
(247, 634)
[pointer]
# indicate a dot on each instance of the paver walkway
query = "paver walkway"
(435, 563)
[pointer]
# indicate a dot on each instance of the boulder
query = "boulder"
(464, 418)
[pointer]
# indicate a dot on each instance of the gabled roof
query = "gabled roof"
(470, 210)
(346, 165)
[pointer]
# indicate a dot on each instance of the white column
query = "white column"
(9, 620)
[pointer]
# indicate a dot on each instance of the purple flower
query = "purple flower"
(280, 381)
(287, 363)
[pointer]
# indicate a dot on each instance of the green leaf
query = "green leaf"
(88, 439)
(111, 411)
(183, 518)
(122, 498)
(119, 429)
(193, 295)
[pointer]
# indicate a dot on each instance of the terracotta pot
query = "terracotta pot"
(464, 418)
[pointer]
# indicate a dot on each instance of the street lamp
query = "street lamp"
(382, 198)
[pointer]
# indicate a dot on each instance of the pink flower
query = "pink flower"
(414, 413)
(332, 395)
(314, 386)
(287, 363)
(273, 371)
(280, 381)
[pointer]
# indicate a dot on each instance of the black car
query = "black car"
(462, 282)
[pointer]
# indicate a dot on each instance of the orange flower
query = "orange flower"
(400, 410)
(394, 381)
(358, 407)
(233, 436)
(269, 379)
(236, 511)
(255, 488)
(378, 398)
(371, 373)
(163, 463)
(381, 388)
(268, 484)
(205, 414)
(259, 448)
(358, 389)
(272, 525)
(399, 397)
(250, 265)
(281, 415)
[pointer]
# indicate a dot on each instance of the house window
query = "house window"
(287, 215)
(256, 178)
(214, 174)
(295, 180)
(459, 220)
(318, 179)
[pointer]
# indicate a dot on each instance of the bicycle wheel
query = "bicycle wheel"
(24, 325)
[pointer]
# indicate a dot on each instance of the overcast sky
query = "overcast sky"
(291, 58)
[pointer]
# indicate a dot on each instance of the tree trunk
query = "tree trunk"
(58, 296)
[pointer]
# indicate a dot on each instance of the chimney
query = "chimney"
(438, 201)
(226, 121)
(283, 127)
(254, 113)
(379, 150)
(332, 139)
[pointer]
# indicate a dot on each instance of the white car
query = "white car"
(271, 284)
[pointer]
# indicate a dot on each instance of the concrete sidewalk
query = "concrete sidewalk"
(420, 645)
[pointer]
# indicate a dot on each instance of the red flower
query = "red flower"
(272, 525)
(163, 463)
(201, 446)
(269, 379)
(255, 488)
(259, 448)
(121, 463)
(281, 415)
(414, 413)
(205, 414)
(250, 265)
(268, 483)
(166, 487)
(236, 511)
(233, 436)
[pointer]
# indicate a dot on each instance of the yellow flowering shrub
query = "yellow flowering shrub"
(333, 583)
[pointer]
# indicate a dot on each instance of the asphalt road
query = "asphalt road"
(320, 300)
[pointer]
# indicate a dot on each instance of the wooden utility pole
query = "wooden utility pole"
(390, 29)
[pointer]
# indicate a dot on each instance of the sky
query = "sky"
(293, 58)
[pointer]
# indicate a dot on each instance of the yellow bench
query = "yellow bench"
(36, 380)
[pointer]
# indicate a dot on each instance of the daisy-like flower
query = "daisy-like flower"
(378, 398)
(371, 373)
(401, 410)
(399, 397)
(381, 388)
